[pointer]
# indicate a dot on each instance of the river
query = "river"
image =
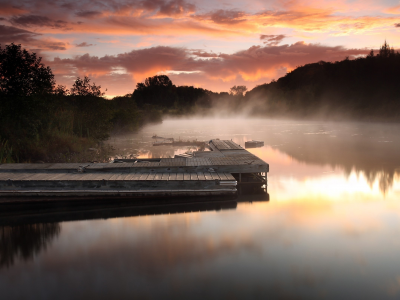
(330, 229)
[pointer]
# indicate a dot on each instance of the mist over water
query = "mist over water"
(329, 231)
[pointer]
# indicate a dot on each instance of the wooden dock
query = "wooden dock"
(208, 173)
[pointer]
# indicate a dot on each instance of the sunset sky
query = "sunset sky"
(211, 44)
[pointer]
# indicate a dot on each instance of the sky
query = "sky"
(211, 44)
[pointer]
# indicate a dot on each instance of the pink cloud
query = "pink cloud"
(271, 39)
(252, 66)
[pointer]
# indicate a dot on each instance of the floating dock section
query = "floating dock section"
(253, 144)
(216, 173)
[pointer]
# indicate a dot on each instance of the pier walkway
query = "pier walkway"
(215, 172)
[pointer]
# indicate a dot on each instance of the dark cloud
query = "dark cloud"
(2, 19)
(50, 45)
(84, 44)
(67, 6)
(272, 40)
(397, 25)
(227, 16)
(221, 16)
(35, 20)
(88, 14)
(10, 34)
(168, 8)
(176, 7)
(7, 9)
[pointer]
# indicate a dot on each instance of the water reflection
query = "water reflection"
(363, 148)
(308, 148)
(25, 241)
(329, 232)
(16, 219)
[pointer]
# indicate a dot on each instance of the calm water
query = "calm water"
(330, 230)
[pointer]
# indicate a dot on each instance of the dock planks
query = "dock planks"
(205, 170)
(198, 176)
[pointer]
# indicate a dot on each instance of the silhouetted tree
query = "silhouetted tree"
(157, 90)
(385, 51)
(371, 54)
(61, 90)
(22, 73)
(82, 87)
(159, 80)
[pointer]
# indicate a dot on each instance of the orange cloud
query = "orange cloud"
(248, 66)
(393, 10)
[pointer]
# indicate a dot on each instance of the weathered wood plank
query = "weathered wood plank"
(136, 176)
(229, 176)
(222, 176)
(172, 176)
(151, 176)
(102, 176)
(56, 176)
(34, 176)
(114, 176)
(208, 176)
(215, 176)
(82, 176)
(129, 176)
(144, 176)
(193, 176)
(74, 176)
(158, 176)
(8, 175)
(201, 176)
(186, 176)
(179, 176)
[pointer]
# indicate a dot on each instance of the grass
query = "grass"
(54, 147)
(6, 152)
(65, 147)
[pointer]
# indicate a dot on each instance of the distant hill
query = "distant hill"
(364, 88)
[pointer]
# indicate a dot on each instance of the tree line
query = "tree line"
(40, 120)
(365, 88)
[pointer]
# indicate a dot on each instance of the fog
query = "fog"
(361, 147)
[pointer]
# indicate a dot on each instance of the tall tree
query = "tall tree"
(157, 90)
(23, 73)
